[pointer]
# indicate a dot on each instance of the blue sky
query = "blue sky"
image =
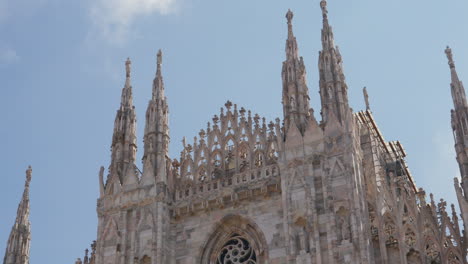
(62, 70)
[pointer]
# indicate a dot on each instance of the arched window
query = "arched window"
(215, 142)
(229, 158)
(201, 159)
(188, 171)
(217, 160)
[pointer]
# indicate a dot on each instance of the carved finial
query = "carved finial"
(289, 16)
(86, 257)
(323, 5)
(228, 105)
(242, 111)
(271, 125)
(448, 52)
(101, 180)
(366, 98)
(93, 247)
(256, 119)
(202, 134)
(215, 120)
(128, 69)
(189, 148)
(184, 142)
(159, 57)
(28, 175)
(175, 164)
(442, 205)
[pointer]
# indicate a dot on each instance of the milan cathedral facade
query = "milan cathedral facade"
(297, 190)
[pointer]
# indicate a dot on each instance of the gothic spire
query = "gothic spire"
(156, 140)
(158, 84)
(295, 92)
(333, 88)
(366, 98)
(127, 98)
(460, 131)
(458, 92)
(291, 43)
(124, 139)
(17, 251)
(326, 30)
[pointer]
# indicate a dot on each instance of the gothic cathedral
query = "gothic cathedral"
(292, 191)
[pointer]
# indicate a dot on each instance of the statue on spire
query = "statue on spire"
(28, 175)
(366, 98)
(289, 16)
(159, 57)
(128, 69)
(323, 5)
(448, 52)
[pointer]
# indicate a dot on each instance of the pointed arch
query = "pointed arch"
(244, 136)
(229, 154)
(146, 220)
(215, 142)
(111, 230)
(432, 250)
(259, 159)
(337, 167)
(202, 156)
(187, 169)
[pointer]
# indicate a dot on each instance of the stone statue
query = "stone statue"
(366, 98)
(159, 57)
(344, 228)
(127, 67)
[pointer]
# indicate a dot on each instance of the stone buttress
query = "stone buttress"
(132, 209)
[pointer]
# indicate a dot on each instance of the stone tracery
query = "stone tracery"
(236, 144)
(237, 250)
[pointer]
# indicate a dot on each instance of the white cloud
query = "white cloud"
(8, 56)
(113, 18)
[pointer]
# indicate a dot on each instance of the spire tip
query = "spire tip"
(323, 5)
(29, 174)
(366, 98)
(128, 62)
(448, 52)
(159, 57)
(289, 16)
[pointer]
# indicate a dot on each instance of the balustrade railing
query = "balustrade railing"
(186, 191)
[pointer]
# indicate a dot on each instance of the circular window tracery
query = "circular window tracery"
(237, 250)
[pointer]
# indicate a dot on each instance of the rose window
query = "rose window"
(237, 250)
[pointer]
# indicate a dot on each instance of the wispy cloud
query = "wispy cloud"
(112, 19)
(8, 56)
